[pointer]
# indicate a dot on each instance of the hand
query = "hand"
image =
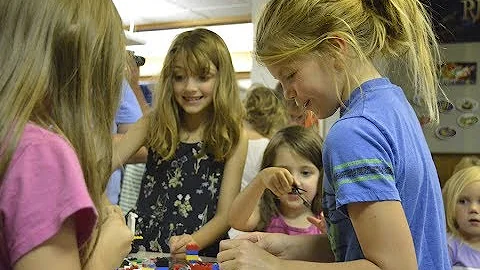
(178, 245)
(115, 239)
(319, 222)
(277, 244)
(278, 180)
(243, 254)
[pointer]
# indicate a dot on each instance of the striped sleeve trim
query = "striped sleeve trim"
(362, 170)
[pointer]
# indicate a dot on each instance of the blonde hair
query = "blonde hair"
(289, 30)
(451, 191)
(306, 143)
(265, 111)
(61, 67)
(465, 162)
(199, 49)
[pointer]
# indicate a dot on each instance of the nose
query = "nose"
(191, 83)
(474, 207)
(288, 92)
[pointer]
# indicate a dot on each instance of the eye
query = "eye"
(306, 173)
(462, 201)
(290, 76)
(204, 78)
(178, 77)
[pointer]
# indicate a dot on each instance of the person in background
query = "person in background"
(292, 158)
(127, 114)
(62, 64)
(265, 114)
(381, 194)
(197, 148)
(465, 162)
(461, 196)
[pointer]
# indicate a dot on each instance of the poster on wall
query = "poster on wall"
(456, 20)
(458, 73)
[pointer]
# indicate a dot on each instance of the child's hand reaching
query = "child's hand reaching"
(318, 222)
(178, 245)
(278, 180)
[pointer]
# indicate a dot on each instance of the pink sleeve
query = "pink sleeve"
(43, 186)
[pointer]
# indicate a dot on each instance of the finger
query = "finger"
(228, 265)
(252, 237)
(231, 243)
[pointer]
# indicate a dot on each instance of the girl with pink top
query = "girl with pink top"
(61, 68)
(292, 162)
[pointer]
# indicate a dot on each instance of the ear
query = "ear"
(341, 46)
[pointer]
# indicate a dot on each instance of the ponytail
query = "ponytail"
(402, 31)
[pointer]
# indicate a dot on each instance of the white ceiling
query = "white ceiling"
(153, 45)
(166, 11)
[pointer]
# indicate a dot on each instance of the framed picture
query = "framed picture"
(458, 73)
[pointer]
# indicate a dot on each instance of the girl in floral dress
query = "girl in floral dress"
(197, 148)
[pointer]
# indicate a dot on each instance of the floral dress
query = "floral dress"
(178, 196)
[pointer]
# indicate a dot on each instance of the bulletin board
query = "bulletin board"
(459, 128)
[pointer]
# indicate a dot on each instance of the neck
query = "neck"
(192, 128)
(252, 134)
(473, 241)
(358, 73)
(296, 217)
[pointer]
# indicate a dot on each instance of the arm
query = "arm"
(384, 235)
(62, 249)
(124, 146)
(381, 228)
(232, 177)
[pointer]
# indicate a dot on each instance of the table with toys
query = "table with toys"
(161, 261)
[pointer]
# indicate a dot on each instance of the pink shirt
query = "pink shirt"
(42, 187)
(278, 225)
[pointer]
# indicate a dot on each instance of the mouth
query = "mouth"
(192, 99)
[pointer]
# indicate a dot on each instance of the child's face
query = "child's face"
(310, 84)
(193, 93)
(303, 170)
(467, 211)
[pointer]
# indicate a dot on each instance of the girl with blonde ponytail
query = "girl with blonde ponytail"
(61, 67)
(381, 194)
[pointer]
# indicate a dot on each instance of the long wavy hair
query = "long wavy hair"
(398, 30)
(198, 49)
(61, 66)
(265, 111)
(306, 143)
(451, 192)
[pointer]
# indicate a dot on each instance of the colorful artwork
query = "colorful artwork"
(458, 73)
(467, 120)
(445, 132)
(467, 104)
(445, 106)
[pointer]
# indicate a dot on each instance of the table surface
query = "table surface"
(150, 255)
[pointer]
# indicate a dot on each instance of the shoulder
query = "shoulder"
(355, 132)
(44, 145)
(44, 174)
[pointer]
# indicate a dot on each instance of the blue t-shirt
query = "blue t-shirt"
(128, 113)
(376, 151)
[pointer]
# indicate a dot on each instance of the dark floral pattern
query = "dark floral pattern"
(177, 196)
